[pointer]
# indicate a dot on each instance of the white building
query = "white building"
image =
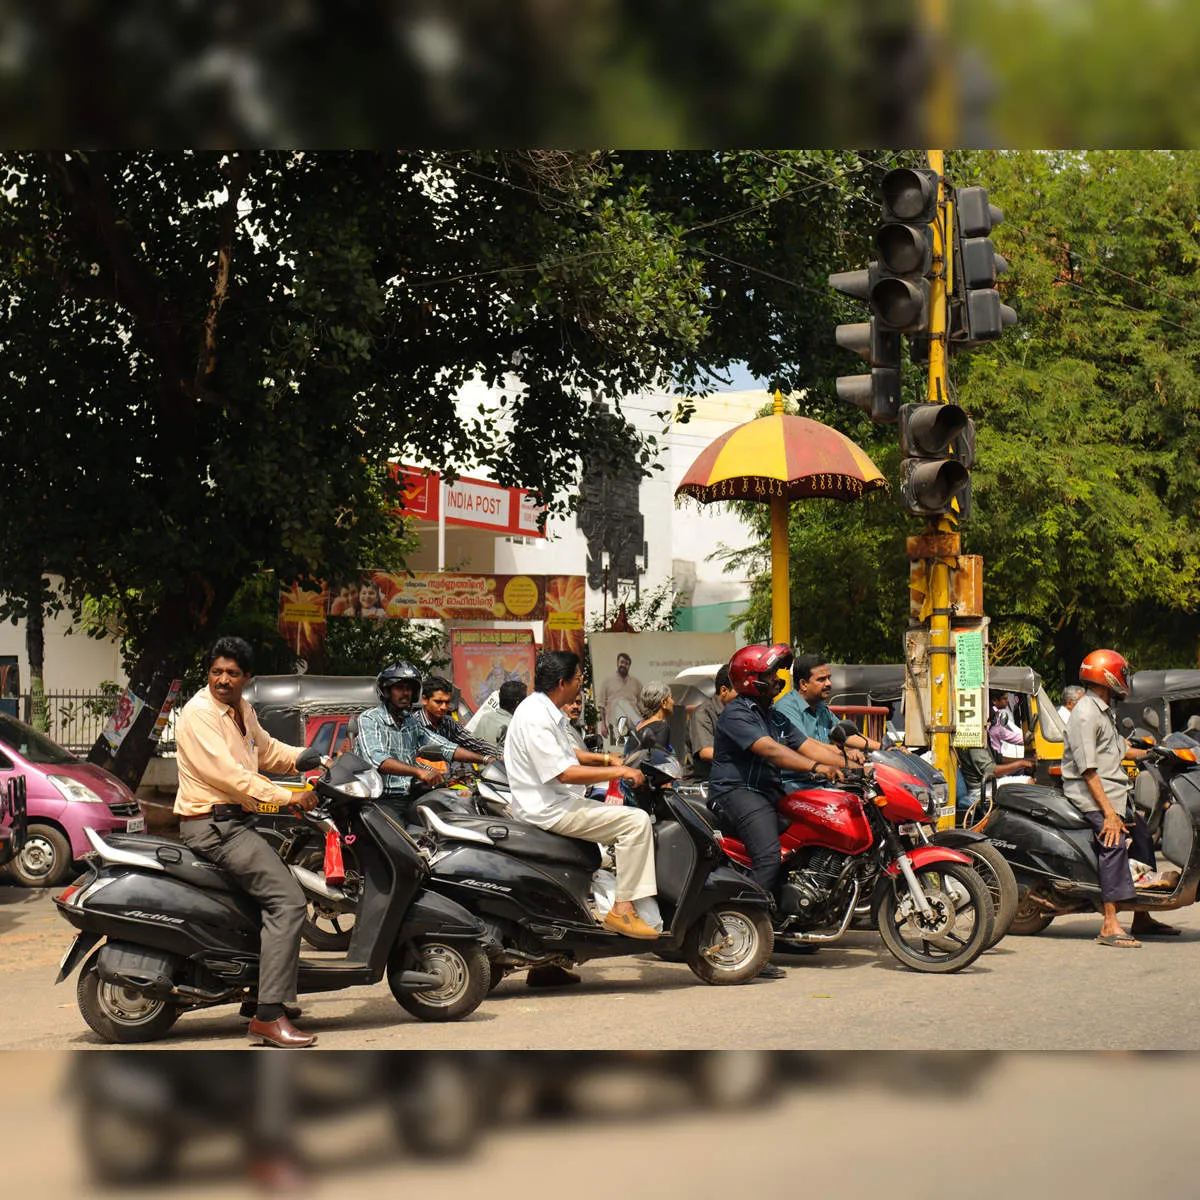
(681, 543)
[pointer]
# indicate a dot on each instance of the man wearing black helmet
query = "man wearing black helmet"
(389, 739)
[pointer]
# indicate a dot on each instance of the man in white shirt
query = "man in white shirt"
(548, 777)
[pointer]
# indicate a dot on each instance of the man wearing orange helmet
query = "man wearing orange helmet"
(752, 744)
(1096, 783)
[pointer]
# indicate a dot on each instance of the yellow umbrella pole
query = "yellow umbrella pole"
(780, 588)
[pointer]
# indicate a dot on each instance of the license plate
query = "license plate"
(135, 825)
(910, 829)
(265, 806)
(948, 811)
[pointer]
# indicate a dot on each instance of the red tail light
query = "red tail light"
(68, 893)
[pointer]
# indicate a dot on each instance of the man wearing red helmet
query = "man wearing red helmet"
(753, 743)
(1096, 783)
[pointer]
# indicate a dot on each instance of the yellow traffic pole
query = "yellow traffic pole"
(781, 600)
(938, 570)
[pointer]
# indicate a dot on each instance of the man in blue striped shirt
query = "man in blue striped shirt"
(389, 737)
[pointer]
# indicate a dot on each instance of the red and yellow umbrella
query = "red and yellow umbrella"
(776, 460)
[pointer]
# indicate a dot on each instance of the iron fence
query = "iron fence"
(74, 719)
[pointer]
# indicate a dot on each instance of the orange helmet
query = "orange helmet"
(1106, 668)
(753, 670)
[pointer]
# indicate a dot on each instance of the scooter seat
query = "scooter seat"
(528, 841)
(1041, 803)
(178, 861)
(700, 807)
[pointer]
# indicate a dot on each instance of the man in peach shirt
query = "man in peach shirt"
(222, 748)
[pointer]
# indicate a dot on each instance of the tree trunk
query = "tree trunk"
(185, 622)
(35, 651)
(1069, 649)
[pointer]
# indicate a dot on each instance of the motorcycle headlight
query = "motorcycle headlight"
(367, 786)
(72, 790)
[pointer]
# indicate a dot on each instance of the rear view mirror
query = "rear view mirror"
(1151, 718)
(622, 727)
(431, 753)
(1127, 724)
(838, 735)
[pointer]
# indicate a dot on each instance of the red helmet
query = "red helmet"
(753, 670)
(1106, 668)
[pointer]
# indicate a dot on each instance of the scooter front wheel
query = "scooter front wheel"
(954, 934)
(464, 978)
(117, 1014)
(730, 944)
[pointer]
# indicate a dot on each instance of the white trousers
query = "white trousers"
(629, 832)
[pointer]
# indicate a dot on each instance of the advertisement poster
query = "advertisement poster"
(164, 714)
(658, 656)
(121, 722)
(557, 600)
(482, 659)
(302, 608)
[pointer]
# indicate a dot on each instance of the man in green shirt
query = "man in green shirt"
(807, 708)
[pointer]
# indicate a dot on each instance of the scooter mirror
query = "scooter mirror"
(838, 734)
(431, 753)
(1127, 724)
(1151, 718)
(622, 727)
(1193, 723)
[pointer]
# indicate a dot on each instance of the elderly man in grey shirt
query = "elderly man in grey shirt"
(1096, 783)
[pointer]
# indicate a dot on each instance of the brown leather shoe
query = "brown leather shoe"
(280, 1032)
(630, 925)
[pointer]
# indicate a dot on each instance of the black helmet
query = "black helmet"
(397, 672)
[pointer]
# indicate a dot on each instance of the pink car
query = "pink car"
(65, 796)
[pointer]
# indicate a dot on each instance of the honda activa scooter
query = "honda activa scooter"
(862, 840)
(1051, 850)
(533, 888)
(178, 933)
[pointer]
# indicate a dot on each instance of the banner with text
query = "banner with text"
(478, 503)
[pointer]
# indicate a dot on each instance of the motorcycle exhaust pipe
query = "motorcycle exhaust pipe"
(315, 884)
(814, 938)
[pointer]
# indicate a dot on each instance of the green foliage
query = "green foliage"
(1086, 496)
(654, 610)
(365, 647)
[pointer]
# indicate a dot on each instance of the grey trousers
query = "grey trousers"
(251, 861)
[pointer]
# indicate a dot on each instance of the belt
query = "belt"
(219, 812)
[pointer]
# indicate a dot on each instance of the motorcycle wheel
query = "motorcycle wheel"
(117, 1014)
(437, 1109)
(463, 969)
(325, 928)
(963, 924)
(735, 956)
(122, 1149)
(1030, 917)
(994, 870)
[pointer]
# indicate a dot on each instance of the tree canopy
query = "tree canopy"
(210, 357)
(1085, 491)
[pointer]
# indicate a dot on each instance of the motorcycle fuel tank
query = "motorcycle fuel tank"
(825, 817)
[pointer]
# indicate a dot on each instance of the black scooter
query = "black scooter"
(1049, 845)
(532, 888)
(180, 934)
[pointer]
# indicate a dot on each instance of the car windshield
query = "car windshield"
(32, 746)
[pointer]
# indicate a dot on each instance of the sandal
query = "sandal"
(1124, 941)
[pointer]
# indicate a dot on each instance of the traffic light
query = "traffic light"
(937, 448)
(978, 314)
(904, 245)
(877, 394)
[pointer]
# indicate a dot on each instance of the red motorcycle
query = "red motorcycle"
(863, 842)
